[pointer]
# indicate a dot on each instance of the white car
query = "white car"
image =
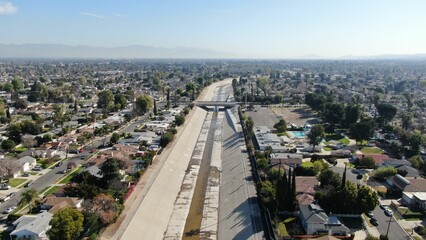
(388, 212)
(9, 210)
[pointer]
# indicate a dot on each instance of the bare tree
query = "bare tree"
(8, 167)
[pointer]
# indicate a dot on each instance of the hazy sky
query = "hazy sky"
(249, 28)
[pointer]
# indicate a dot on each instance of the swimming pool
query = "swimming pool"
(299, 134)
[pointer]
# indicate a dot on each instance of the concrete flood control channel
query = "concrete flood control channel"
(187, 217)
(195, 215)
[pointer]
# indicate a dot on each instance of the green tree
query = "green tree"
(143, 104)
(328, 177)
(334, 113)
(406, 119)
(249, 125)
(166, 138)
(316, 135)
(8, 145)
(20, 104)
(7, 87)
(386, 111)
(179, 119)
(168, 97)
(385, 172)
(281, 126)
(110, 170)
(58, 115)
(155, 107)
(366, 162)
(17, 84)
(352, 115)
(120, 101)
(416, 141)
(114, 138)
(28, 196)
(267, 194)
(105, 99)
(38, 92)
(282, 192)
(67, 224)
(278, 98)
(417, 162)
(191, 88)
(367, 199)
(262, 164)
(363, 130)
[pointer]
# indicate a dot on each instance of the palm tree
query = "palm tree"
(28, 197)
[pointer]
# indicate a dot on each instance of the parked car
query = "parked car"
(29, 183)
(374, 222)
(58, 164)
(37, 168)
(9, 196)
(25, 174)
(4, 186)
(9, 210)
(382, 206)
(370, 214)
(388, 212)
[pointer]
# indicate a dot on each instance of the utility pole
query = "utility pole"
(390, 220)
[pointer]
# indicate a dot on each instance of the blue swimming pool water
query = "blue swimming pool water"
(299, 134)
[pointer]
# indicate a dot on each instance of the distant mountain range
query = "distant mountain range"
(140, 51)
(419, 56)
(134, 51)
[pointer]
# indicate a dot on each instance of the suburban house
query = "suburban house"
(315, 221)
(306, 184)
(54, 204)
(32, 227)
(379, 159)
(27, 163)
(407, 184)
(417, 199)
(265, 138)
(158, 125)
(289, 159)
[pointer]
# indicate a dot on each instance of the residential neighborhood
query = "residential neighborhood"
(78, 134)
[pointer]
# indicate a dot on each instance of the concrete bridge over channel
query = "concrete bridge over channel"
(215, 105)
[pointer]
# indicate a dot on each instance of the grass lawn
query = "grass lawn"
(14, 182)
(20, 149)
(282, 230)
(307, 164)
(336, 137)
(344, 141)
(52, 190)
(327, 149)
(371, 150)
(44, 190)
(71, 175)
(283, 134)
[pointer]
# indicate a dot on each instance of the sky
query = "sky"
(247, 28)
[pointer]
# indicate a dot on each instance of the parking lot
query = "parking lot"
(297, 115)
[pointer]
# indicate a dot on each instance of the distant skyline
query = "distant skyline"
(246, 28)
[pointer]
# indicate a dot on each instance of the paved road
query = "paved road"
(238, 208)
(52, 176)
(395, 230)
(45, 180)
